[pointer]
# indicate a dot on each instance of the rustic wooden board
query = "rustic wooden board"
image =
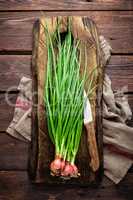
(15, 185)
(13, 67)
(16, 29)
(89, 160)
(66, 5)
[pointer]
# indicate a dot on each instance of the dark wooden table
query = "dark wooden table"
(115, 21)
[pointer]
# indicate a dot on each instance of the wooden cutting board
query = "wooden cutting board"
(90, 155)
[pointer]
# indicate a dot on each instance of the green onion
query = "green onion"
(63, 99)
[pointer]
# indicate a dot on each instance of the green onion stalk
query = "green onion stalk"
(63, 100)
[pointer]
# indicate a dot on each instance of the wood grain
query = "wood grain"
(66, 5)
(13, 67)
(16, 29)
(120, 70)
(13, 153)
(6, 110)
(15, 185)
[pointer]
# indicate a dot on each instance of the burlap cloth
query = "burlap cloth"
(117, 136)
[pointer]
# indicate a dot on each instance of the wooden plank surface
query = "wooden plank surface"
(13, 67)
(66, 5)
(13, 153)
(6, 110)
(120, 70)
(16, 29)
(15, 37)
(15, 185)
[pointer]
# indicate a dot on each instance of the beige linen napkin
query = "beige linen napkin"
(20, 127)
(117, 136)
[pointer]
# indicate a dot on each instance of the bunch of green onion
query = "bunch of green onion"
(63, 99)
